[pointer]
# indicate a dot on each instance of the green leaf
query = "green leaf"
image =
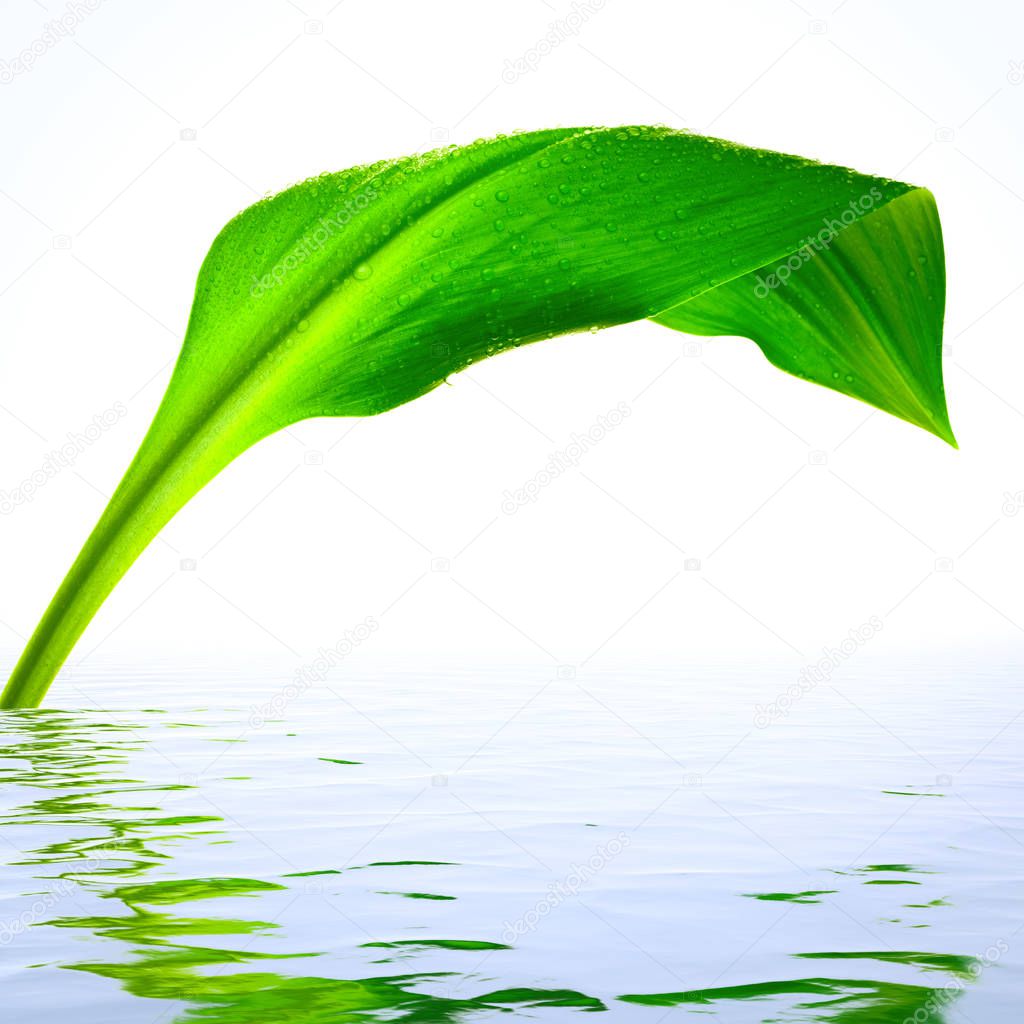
(862, 316)
(353, 293)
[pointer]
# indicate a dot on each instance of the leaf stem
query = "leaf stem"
(174, 462)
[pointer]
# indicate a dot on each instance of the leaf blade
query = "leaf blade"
(844, 321)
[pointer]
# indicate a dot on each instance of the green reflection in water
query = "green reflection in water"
(256, 997)
(959, 966)
(405, 864)
(414, 895)
(894, 867)
(181, 891)
(435, 944)
(792, 897)
(112, 831)
(80, 761)
(835, 1000)
(78, 758)
(846, 1000)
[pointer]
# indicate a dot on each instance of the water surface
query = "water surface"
(422, 849)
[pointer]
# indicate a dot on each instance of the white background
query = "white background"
(807, 512)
